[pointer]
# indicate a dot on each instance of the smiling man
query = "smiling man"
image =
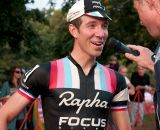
(77, 92)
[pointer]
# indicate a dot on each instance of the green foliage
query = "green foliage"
(18, 40)
(12, 22)
(28, 37)
(62, 39)
(67, 5)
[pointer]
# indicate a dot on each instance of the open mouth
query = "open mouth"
(97, 43)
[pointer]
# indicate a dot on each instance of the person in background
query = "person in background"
(149, 14)
(74, 90)
(140, 79)
(123, 70)
(113, 63)
(10, 87)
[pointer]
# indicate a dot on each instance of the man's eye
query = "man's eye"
(105, 26)
(91, 25)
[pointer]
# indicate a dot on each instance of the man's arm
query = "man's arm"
(121, 120)
(144, 59)
(11, 109)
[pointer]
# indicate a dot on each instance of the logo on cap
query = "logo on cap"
(89, 7)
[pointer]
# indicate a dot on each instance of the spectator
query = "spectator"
(113, 63)
(123, 70)
(141, 81)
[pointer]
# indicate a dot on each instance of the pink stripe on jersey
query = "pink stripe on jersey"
(108, 79)
(60, 74)
(53, 75)
(113, 79)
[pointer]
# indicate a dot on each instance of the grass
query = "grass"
(148, 123)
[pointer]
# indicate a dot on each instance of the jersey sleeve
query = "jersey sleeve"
(35, 82)
(120, 99)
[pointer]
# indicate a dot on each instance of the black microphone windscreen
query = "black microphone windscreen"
(120, 47)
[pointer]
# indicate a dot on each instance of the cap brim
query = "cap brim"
(99, 14)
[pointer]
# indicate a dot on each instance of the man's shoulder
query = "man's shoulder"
(49, 63)
(57, 60)
(117, 74)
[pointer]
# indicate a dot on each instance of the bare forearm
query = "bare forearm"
(3, 123)
(4, 117)
(11, 109)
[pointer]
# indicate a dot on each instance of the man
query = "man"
(141, 81)
(123, 70)
(149, 14)
(76, 91)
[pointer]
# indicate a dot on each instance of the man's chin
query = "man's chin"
(97, 54)
(154, 34)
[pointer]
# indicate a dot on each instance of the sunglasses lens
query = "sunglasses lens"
(18, 72)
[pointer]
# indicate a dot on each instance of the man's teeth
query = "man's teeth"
(98, 43)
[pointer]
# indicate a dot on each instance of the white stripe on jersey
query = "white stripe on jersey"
(97, 79)
(75, 79)
(119, 107)
(26, 93)
(29, 73)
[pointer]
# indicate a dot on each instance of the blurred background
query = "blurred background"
(35, 31)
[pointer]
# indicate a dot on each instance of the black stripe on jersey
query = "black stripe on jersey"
(120, 103)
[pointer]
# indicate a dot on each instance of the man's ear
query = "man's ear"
(73, 30)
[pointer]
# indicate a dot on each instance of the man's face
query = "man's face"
(141, 71)
(148, 16)
(91, 36)
(123, 71)
(17, 73)
(113, 60)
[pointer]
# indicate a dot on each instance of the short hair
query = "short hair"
(77, 22)
(122, 67)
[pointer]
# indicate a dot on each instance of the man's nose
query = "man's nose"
(101, 32)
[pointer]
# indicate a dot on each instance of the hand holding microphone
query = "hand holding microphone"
(120, 47)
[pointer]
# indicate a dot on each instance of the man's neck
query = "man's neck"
(84, 61)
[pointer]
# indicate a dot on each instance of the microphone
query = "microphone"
(120, 47)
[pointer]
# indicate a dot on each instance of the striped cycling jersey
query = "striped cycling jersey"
(73, 100)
